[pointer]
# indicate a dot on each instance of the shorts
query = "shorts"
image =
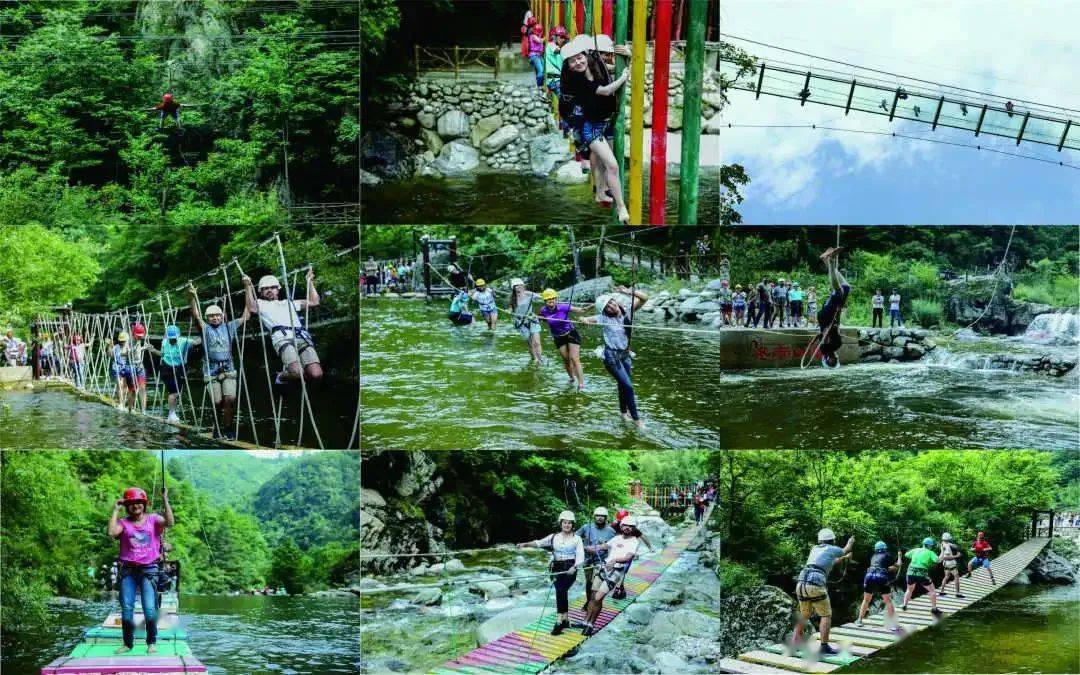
(876, 583)
(820, 605)
(726, 307)
(980, 562)
(527, 329)
(283, 343)
(222, 385)
(918, 580)
(949, 564)
(571, 338)
(610, 579)
(489, 313)
(460, 318)
(173, 378)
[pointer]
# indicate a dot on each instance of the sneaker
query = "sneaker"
(942, 593)
(858, 622)
(558, 629)
(828, 650)
(173, 418)
(587, 630)
(959, 596)
(935, 611)
(903, 608)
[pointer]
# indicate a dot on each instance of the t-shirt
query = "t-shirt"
(981, 548)
(592, 535)
(762, 293)
(77, 353)
(921, 561)
(557, 318)
(795, 295)
(894, 302)
(879, 301)
(460, 303)
(621, 546)
(217, 341)
(552, 60)
(141, 544)
(824, 556)
(280, 313)
(724, 294)
(175, 355)
(485, 299)
(371, 267)
(524, 306)
(780, 295)
(120, 355)
(614, 331)
(564, 546)
(739, 299)
(882, 561)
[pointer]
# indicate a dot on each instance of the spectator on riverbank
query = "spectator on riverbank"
(738, 304)
(795, 301)
(894, 310)
(371, 276)
(14, 350)
(811, 306)
(877, 303)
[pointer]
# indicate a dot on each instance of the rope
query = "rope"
(997, 281)
(454, 582)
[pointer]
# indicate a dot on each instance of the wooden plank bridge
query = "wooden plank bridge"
(532, 649)
(857, 642)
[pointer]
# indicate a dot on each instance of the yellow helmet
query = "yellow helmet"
(481, 282)
(122, 337)
(549, 294)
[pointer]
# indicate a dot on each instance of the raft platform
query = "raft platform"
(96, 654)
(533, 648)
(859, 642)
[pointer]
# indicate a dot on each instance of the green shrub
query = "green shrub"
(926, 313)
(736, 578)
(1034, 292)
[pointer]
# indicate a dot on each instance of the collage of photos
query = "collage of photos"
(179, 337)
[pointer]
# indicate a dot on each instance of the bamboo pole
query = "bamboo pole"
(661, 70)
(621, 22)
(637, 111)
(597, 16)
(691, 125)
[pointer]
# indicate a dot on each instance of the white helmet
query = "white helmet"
(629, 520)
(566, 515)
(601, 302)
(946, 537)
(214, 309)
(605, 44)
(599, 511)
(825, 534)
(268, 281)
(579, 45)
(517, 281)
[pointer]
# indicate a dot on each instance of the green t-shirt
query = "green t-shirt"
(552, 61)
(921, 560)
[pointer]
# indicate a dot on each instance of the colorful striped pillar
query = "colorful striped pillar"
(609, 17)
(597, 16)
(568, 18)
(691, 125)
(621, 21)
(661, 69)
(637, 111)
(579, 15)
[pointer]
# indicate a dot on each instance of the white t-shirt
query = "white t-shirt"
(278, 313)
(879, 301)
(622, 547)
(564, 547)
(894, 302)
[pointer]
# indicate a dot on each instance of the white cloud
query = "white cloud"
(1021, 50)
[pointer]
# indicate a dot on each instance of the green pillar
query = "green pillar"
(622, 21)
(691, 125)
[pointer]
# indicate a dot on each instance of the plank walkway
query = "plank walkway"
(533, 648)
(857, 642)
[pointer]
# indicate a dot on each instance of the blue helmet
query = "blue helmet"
(928, 542)
(172, 332)
(880, 546)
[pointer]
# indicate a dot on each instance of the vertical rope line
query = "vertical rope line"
(209, 379)
(269, 383)
(241, 380)
(300, 363)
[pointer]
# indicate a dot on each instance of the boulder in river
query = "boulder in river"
(428, 597)
(456, 159)
(386, 154)
(506, 622)
(454, 565)
(754, 619)
(545, 151)
(483, 128)
(665, 627)
(1051, 568)
(500, 139)
(453, 124)
(490, 589)
(570, 174)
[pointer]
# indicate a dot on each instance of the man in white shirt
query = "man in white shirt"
(877, 303)
(290, 339)
(621, 550)
(894, 310)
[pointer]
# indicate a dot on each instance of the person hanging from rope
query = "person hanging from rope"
(878, 580)
(77, 360)
(172, 370)
(459, 313)
(567, 340)
(593, 535)
(485, 300)
(982, 548)
(828, 319)
(169, 106)
(525, 320)
(139, 534)
(918, 574)
(812, 586)
(122, 370)
(140, 353)
(567, 556)
(950, 554)
(615, 323)
(218, 337)
(607, 49)
(587, 102)
(621, 550)
(293, 343)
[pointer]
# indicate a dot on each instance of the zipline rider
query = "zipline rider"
(282, 318)
(218, 337)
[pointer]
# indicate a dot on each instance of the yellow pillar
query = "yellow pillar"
(597, 13)
(637, 112)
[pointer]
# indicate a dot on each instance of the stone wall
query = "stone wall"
(498, 126)
(894, 344)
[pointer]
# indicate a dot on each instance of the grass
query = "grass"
(1059, 291)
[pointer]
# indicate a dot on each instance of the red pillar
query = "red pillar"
(609, 17)
(661, 68)
(579, 13)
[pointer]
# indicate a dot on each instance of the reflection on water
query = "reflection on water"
(427, 385)
(514, 199)
(231, 635)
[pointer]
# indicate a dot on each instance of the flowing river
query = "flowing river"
(254, 635)
(500, 198)
(428, 385)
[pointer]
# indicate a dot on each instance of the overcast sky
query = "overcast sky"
(1023, 49)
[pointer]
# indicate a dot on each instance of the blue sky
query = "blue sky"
(1023, 50)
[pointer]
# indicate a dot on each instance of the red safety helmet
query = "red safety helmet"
(167, 98)
(138, 330)
(530, 21)
(559, 31)
(134, 494)
(620, 514)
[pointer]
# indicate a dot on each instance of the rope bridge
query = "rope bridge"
(97, 376)
(858, 642)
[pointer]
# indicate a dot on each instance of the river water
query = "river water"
(514, 199)
(428, 385)
(246, 634)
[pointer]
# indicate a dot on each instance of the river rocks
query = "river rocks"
(639, 613)
(588, 290)
(667, 626)
(453, 124)
(987, 302)
(754, 619)
(1045, 364)
(456, 159)
(893, 344)
(506, 622)
(668, 662)
(385, 154)
(489, 589)
(392, 510)
(570, 173)
(426, 119)
(455, 565)
(369, 178)
(498, 140)
(1049, 567)
(428, 597)
(432, 140)
(546, 151)
(483, 128)
(1021, 579)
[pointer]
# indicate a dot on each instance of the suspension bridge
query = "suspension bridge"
(860, 642)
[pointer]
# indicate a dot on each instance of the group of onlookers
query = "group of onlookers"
(395, 276)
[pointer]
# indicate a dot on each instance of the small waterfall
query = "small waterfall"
(1056, 328)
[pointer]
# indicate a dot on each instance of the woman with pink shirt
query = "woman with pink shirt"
(140, 547)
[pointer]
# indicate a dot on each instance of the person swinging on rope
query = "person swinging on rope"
(828, 319)
(459, 313)
(169, 106)
(616, 325)
(811, 586)
(218, 337)
(293, 343)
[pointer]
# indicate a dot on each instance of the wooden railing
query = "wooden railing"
(455, 59)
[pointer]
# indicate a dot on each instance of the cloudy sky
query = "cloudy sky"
(1022, 49)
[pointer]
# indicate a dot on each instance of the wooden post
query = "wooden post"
(637, 112)
(661, 69)
(693, 77)
(496, 50)
(416, 58)
(457, 60)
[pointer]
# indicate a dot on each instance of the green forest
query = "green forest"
(269, 117)
(297, 528)
(1043, 262)
(772, 503)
